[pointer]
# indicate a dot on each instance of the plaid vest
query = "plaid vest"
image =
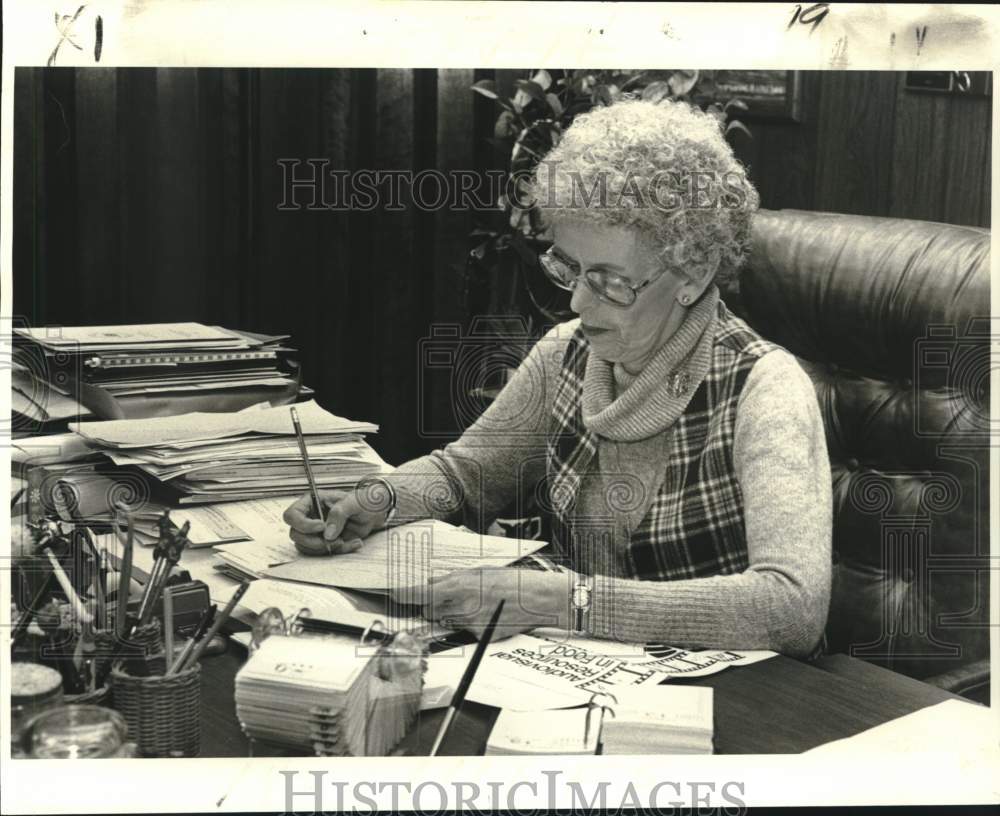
(694, 526)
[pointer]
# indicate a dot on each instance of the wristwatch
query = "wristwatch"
(376, 493)
(581, 599)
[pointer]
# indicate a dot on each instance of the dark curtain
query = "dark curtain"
(152, 195)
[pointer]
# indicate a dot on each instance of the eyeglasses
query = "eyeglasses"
(609, 287)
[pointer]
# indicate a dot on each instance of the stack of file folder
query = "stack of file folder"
(157, 369)
(338, 699)
(252, 454)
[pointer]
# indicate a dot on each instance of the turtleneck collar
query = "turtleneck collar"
(625, 407)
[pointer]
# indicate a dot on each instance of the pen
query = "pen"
(124, 581)
(206, 620)
(67, 588)
(101, 589)
(168, 624)
(317, 505)
(220, 619)
(470, 671)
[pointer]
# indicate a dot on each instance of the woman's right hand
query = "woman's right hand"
(345, 524)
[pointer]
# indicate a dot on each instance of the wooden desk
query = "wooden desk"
(776, 706)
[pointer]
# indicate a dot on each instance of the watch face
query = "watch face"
(581, 596)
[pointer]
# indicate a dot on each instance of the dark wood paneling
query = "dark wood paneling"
(866, 145)
(966, 193)
(781, 156)
(920, 140)
(855, 138)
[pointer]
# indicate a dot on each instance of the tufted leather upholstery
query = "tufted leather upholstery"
(890, 318)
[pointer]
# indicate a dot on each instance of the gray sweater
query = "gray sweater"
(779, 602)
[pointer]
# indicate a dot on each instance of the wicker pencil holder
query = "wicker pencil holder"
(145, 640)
(98, 697)
(163, 712)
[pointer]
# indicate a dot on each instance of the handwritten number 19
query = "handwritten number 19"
(811, 16)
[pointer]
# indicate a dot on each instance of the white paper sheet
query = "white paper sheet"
(126, 433)
(405, 557)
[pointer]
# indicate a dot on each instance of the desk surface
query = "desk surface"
(776, 706)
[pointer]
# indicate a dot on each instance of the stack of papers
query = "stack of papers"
(211, 457)
(401, 560)
(39, 406)
(324, 694)
(159, 360)
(659, 720)
(565, 731)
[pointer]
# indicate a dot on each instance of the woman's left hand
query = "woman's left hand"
(467, 600)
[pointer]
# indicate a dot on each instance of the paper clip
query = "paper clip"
(378, 631)
(592, 706)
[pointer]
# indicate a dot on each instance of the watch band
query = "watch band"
(377, 493)
(581, 600)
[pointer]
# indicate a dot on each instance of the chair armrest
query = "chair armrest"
(963, 679)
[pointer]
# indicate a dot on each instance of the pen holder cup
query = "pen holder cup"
(163, 712)
(144, 641)
(99, 697)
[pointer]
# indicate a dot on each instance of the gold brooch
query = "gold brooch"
(679, 383)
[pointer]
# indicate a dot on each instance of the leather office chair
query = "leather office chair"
(890, 318)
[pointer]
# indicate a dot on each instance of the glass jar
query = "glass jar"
(76, 732)
(34, 690)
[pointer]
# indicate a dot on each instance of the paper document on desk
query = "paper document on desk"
(50, 449)
(258, 519)
(158, 431)
(658, 657)
(405, 557)
(145, 335)
(328, 604)
(528, 673)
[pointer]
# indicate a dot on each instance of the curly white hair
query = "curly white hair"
(664, 169)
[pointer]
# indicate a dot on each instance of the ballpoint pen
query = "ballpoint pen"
(317, 504)
(124, 580)
(168, 625)
(206, 620)
(220, 619)
(470, 671)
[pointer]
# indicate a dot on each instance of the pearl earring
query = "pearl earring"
(685, 299)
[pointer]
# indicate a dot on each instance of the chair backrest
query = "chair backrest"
(891, 319)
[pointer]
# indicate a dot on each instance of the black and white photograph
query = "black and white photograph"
(409, 428)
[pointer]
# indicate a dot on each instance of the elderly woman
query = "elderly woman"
(682, 457)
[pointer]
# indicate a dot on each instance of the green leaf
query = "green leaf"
(532, 89)
(655, 91)
(486, 87)
(602, 94)
(736, 103)
(739, 126)
(505, 125)
(682, 82)
(554, 103)
(543, 79)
